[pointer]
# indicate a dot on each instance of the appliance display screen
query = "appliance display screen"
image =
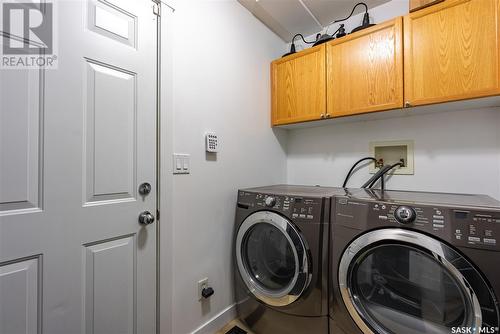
(461, 214)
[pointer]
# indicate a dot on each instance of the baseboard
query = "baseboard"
(218, 321)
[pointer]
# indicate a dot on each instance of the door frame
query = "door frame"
(164, 178)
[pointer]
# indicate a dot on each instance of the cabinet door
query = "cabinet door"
(298, 87)
(452, 52)
(365, 70)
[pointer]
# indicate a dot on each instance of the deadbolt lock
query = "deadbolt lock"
(145, 189)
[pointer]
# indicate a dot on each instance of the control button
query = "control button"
(270, 201)
(405, 214)
(490, 241)
(458, 231)
(376, 205)
(488, 233)
(294, 215)
(438, 212)
(438, 221)
(458, 237)
(383, 207)
(309, 216)
(302, 215)
(438, 225)
(438, 217)
(472, 229)
(474, 239)
(382, 217)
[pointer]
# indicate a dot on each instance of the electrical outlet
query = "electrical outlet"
(202, 284)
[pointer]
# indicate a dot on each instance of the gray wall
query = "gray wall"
(217, 79)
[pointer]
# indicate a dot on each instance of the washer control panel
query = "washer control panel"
(468, 228)
(460, 226)
(295, 207)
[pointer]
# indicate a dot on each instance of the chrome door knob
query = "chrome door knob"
(146, 218)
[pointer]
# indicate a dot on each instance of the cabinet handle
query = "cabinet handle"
(322, 115)
(328, 115)
(407, 104)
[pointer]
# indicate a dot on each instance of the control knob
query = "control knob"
(405, 214)
(270, 201)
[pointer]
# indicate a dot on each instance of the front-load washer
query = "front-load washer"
(281, 258)
(414, 263)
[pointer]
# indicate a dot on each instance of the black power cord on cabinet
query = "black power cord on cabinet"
(292, 46)
(322, 38)
(366, 23)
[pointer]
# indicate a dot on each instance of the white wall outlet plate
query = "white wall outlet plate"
(390, 152)
(211, 142)
(181, 163)
(202, 284)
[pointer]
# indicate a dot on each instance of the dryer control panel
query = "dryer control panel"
(297, 208)
(474, 228)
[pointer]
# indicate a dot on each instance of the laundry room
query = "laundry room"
(249, 166)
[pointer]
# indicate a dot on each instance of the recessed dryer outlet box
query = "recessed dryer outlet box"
(202, 284)
(390, 152)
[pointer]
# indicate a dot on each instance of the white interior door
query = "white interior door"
(75, 144)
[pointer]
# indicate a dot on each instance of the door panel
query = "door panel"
(298, 87)
(21, 129)
(110, 286)
(111, 132)
(19, 284)
(365, 70)
(87, 133)
(113, 22)
(452, 51)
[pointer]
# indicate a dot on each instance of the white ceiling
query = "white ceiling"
(289, 17)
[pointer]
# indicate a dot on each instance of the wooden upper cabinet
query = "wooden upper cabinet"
(365, 70)
(298, 87)
(452, 52)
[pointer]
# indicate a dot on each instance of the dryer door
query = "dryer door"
(272, 258)
(400, 281)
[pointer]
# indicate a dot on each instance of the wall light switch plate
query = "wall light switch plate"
(181, 163)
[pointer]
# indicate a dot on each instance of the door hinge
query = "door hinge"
(157, 215)
(157, 9)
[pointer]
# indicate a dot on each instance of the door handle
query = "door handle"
(146, 218)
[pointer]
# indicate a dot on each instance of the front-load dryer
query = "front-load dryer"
(281, 258)
(414, 263)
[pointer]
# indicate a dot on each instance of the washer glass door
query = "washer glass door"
(397, 281)
(269, 257)
(272, 258)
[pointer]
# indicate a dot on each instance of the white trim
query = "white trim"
(218, 321)
(170, 4)
(311, 14)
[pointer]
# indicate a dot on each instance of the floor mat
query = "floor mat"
(236, 330)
